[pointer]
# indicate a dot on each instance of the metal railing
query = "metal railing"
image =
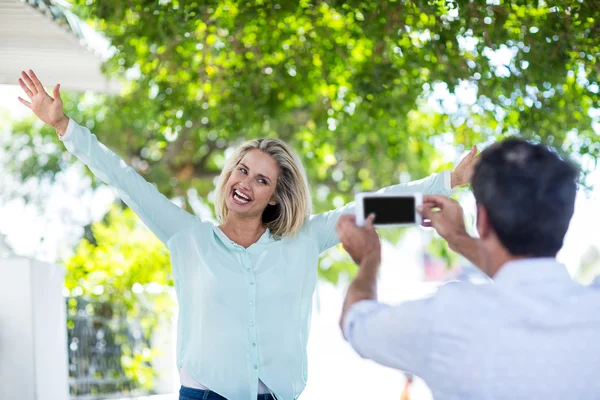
(97, 336)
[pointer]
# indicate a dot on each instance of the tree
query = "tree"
(351, 85)
(589, 268)
(125, 275)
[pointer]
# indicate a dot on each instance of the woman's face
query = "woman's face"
(251, 186)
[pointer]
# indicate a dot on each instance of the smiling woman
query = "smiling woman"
(245, 287)
(264, 180)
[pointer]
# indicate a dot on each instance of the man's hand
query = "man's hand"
(445, 216)
(464, 170)
(362, 243)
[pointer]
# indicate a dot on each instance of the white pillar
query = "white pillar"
(33, 331)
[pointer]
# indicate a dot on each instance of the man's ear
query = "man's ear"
(484, 228)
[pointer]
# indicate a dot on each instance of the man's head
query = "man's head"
(525, 196)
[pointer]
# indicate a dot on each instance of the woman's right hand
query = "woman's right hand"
(49, 110)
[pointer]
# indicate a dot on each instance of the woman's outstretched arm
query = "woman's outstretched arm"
(161, 215)
(322, 226)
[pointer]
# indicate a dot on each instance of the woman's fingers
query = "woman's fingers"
(29, 82)
(36, 82)
(56, 93)
(27, 104)
(28, 92)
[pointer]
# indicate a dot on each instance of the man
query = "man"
(531, 334)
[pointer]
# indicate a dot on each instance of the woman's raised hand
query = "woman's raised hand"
(464, 170)
(49, 110)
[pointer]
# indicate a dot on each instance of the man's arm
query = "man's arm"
(399, 337)
(363, 287)
(364, 247)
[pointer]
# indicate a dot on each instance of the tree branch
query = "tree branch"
(175, 147)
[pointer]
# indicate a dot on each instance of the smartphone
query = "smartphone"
(390, 209)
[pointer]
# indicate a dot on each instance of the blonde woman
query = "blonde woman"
(244, 287)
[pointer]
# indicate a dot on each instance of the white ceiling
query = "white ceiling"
(31, 38)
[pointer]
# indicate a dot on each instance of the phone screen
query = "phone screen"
(390, 210)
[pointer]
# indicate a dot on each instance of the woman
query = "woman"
(244, 287)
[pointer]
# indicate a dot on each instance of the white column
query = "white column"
(33, 331)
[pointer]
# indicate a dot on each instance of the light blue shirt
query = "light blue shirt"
(244, 313)
(531, 334)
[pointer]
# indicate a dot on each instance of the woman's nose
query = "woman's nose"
(246, 182)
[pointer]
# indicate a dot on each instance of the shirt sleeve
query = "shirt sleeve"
(322, 226)
(399, 337)
(162, 216)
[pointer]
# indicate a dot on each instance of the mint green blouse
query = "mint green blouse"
(244, 313)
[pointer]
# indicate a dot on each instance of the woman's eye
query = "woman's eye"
(243, 171)
(262, 181)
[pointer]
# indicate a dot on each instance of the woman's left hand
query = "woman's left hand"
(464, 170)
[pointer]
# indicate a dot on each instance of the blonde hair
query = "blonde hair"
(292, 192)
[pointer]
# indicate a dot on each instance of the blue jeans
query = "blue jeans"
(186, 393)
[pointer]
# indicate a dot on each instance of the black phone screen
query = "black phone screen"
(390, 210)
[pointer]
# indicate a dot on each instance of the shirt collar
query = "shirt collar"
(531, 270)
(264, 239)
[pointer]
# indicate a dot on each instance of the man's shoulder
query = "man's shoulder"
(462, 308)
(462, 297)
(463, 287)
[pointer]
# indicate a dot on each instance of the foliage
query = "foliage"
(127, 270)
(589, 269)
(354, 86)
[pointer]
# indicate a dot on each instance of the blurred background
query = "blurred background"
(370, 93)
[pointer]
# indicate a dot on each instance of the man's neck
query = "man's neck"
(500, 260)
